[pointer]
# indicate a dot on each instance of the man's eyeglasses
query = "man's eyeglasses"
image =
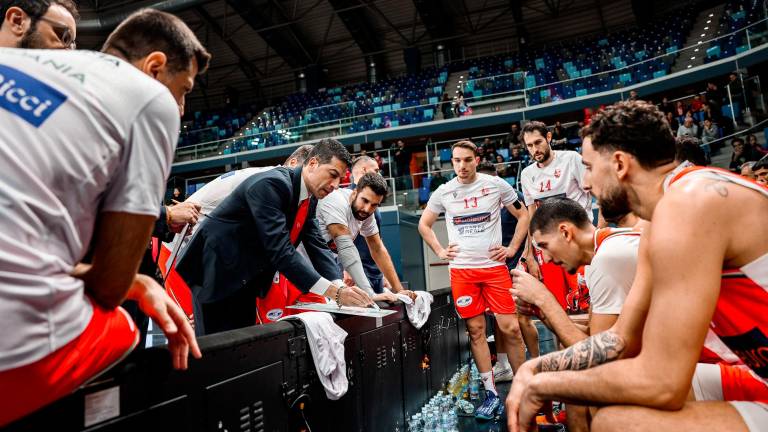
(62, 31)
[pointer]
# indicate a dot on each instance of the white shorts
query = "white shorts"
(708, 386)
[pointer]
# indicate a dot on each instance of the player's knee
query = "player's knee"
(511, 330)
(476, 330)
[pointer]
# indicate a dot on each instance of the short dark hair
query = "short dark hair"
(327, 149)
(689, 149)
(554, 211)
(487, 168)
(469, 145)
(761, 164)
(375, 182)
(37, 8)
(636, 127)
(533, 126)
(300, 154)
(147, 30)
(737, 139)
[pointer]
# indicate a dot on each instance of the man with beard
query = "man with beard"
(38, 24)
(554, 174)
(346, 213)
(706, 271)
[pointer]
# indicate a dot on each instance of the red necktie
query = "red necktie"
(301, 217)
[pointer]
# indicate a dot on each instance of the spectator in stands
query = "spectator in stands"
(746, 170)
(177, 195)
(680, 110)
(666, 106)
(437, 180)
(379, 161)
(513, 138)
(761, 171)
(61, 324)
(38, 24)
(232, 258)
(558, 132)
(696, 104)
(402, 157)
(709, 132)
(688, 128)
(714, 98)
(689, 149)
(632, 95)
(741, 154)
(517, 155)
(752, 143)
(446, 107)
(707, 110)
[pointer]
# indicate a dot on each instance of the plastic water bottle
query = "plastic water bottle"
(474, 388)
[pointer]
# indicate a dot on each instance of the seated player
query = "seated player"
(347, 213)
(698, 269)
(71, 181)
(564, 235)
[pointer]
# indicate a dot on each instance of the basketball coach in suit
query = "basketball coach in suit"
(234, 254)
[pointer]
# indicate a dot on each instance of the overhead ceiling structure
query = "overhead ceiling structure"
(260, 47)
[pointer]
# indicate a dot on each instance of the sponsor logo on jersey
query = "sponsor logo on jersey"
(557, 173)
(463, 301)
(752, 349)
(27, 97)
(274, 314)
(472, 219)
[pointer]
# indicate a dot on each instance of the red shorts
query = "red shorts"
(554, 278)
(108, 338)
(740, 385)
(283, 293)
(474, 290)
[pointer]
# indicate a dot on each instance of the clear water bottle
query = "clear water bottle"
(414, 425)
(474, 387)
(430, 424)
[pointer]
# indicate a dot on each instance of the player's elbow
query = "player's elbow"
(665, 388)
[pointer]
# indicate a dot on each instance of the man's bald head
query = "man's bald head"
(362, 166)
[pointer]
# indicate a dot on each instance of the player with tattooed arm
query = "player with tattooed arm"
(705, 271)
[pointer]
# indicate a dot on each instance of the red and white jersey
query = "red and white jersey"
(562, 178)
(610, 274)
(472, 217)
(741, 314)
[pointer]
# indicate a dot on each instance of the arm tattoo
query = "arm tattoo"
(719, 188)
(593, 351)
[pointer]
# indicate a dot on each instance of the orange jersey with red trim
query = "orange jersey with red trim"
(741, 314)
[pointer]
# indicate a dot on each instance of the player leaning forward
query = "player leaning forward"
(472, 203)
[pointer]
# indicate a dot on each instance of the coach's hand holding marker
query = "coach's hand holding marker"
(450, 252)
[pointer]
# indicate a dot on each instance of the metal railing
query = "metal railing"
(287, 135)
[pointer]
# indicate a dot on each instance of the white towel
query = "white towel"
(418, 311)
(326, 342)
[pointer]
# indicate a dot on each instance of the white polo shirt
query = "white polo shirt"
(80, 133)
(336, 209)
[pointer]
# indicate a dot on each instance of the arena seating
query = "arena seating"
(557, 72)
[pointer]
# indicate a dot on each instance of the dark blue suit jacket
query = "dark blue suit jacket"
(234, 254)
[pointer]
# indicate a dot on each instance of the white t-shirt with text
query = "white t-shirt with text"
(472, 217)
(80, 133)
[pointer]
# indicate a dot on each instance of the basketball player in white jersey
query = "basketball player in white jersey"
(472, 203)
(708, 270)
(553, 174)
